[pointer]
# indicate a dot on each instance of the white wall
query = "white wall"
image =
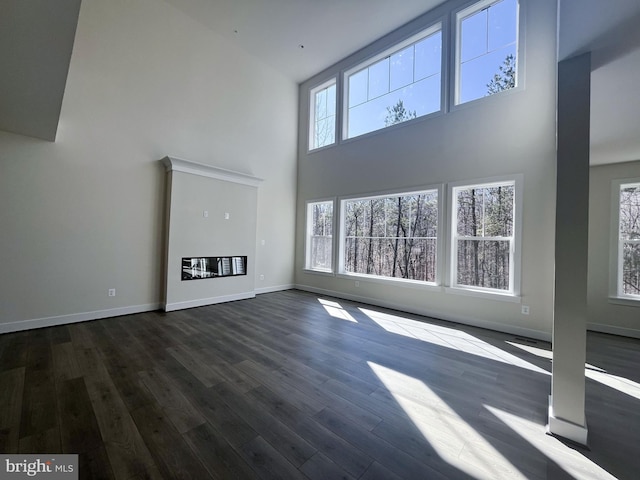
(85, 214)
(512, 133)
(603, 314)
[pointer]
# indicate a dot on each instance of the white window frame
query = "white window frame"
(394, 280)
(308, 234)
(515, 263)
(616, 294)
(312, 114)
(457, 17)
(437, 26)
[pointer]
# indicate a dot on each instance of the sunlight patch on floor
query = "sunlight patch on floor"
(336, 310)
(621, 384)
(569, 459)
(451, 437)
(447, 337)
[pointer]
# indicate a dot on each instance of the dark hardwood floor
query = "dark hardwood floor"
(294, 385)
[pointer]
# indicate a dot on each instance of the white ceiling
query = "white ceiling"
(303, 37)
(329, 30)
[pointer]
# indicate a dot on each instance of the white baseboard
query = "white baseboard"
(440, 315)
(277, 288)
(613, 330)
(565, 429)
(201, 302)
(75, 317)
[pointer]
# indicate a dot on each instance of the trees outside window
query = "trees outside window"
(483, 236)
(629, 241)
(319, 244)
(391, 236)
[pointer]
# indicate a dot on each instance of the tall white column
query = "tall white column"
(567, 401)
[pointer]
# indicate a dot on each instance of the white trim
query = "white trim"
(566, 429)
(179, 165)
(614, 330)
(201, 302)
(436, 314)
(75, 317)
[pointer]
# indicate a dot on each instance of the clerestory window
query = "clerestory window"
(487, 49)
(401, 84)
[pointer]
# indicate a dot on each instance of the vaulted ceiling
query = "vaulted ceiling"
(302, 37)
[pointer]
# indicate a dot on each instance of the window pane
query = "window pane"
(428, 56)
(485, 212)
(378, 79)
(476, 75)
(325, 132)
(631, 269)
(630, 212)
(473, 36)
(401, 68)
(331, 100)
(503, 23)
(394, 236)
(358, 87)
(483, 263)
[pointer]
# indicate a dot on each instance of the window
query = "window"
(400, 84)
(319, 242)
(487, 49)
(322, 128)
(391, 236)
(629, 241)
(483, 237)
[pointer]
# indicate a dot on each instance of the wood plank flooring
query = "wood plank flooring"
(295, 385)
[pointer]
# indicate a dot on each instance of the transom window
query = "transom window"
(483, 237)
(322, 128)
(319, 244)
(400, 84)
(629, 241)
(487, 49)
(391, 236)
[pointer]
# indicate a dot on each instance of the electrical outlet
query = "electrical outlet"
(112, 292)
(261, 277)
(525, 309)
(357, 283)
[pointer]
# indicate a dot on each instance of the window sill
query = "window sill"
(326, 273)
(627, 301)
(500, 297)
(399, 282)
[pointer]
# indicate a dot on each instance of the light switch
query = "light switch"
(205, 213)
(226, 215)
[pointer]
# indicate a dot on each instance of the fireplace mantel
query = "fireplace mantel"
(180, 165)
